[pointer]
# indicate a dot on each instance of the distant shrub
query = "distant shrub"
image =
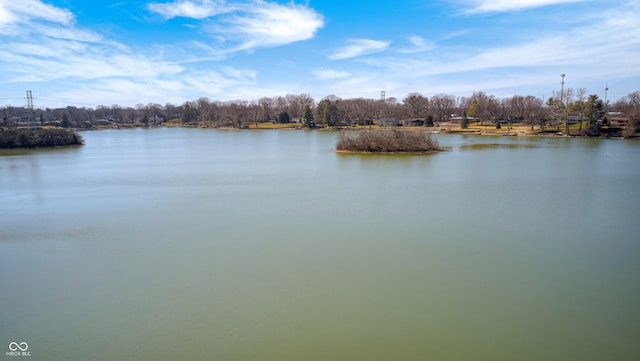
(429, 121)
(38, 138)
(387, 141)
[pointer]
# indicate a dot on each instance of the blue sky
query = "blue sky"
(99, 52)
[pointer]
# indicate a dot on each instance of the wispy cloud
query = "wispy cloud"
(359, 47)
(536, 63)
(189, 9)
(13, 12)
(52, 48)
(325, 74)
(491, 6)
(418, 45)
(264, 24)
(247, 25)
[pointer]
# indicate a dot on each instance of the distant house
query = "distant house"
(157, 119)
(388, 122)
(575, 119)
(414, 122)
(102, 122)
(458, 119)
(617, 120)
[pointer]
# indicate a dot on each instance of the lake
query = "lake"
(192, 244)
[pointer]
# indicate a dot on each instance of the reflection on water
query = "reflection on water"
(483, 146)
(172, 244)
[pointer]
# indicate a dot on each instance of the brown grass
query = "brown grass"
(387, 141)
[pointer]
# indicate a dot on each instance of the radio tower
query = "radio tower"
(30, 107)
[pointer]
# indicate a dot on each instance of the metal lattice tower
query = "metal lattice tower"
(32, 115)
(29, 100)
(383, 114)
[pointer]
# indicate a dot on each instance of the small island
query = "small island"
(383, 141)
(38, 138)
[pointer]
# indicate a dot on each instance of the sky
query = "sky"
(99, 52)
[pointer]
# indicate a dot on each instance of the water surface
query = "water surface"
(167, 244)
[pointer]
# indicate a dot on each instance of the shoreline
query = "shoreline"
(517, 130)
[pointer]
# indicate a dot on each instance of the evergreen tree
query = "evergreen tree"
(429, 121)
(284, 118)
(307, 116)
(594, 110)
(465, 121)
(189, 113)
(66, 123)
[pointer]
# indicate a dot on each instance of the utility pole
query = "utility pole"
(606, 90)
(566, 121)
(383, 106)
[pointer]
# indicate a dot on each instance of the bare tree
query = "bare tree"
(254, 110)
(533, 109)
(579, 105)
(416, 105)
(485, 106)
(266, 108)
(237, 112)
(281, 105)
(442, 106)
(204, 109)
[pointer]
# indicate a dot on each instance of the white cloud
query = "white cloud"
(51, 51)
(263, 24)
(325, 74)
(602, 49)
(83, 67)
(6, 16)
(246, 26)
(20, 17)
(243, 75)
(189, 9)
(51, 47)
(490, 6)
(14, 11)
(617, 40)
(358, 47)
(419, 45)
(29, 65)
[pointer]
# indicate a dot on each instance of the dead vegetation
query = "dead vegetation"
(37, 138)
(387, 141)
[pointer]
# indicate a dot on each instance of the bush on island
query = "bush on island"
(387, 141)
(38, 138)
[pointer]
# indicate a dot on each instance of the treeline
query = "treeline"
(37, 138)
(569, 105)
